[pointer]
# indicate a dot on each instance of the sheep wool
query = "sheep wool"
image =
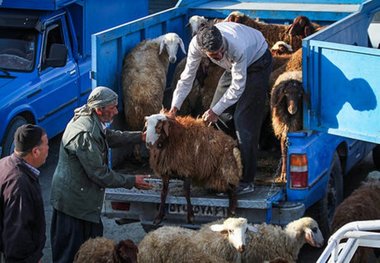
(185, 148)
(103, 250)
(219, 242)
(356, 208)
(144, 77)
(272, 242)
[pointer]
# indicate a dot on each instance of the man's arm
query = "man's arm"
(188, 75)
(117, 138)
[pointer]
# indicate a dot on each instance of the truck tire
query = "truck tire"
(8, 144)
(323, 211)
(376, 156)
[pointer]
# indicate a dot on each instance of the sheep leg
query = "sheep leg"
(190, 212)
(282, 177)
(232, 197)
(164, 193)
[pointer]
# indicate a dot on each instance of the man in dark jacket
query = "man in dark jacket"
(82, 174)
(22, 218)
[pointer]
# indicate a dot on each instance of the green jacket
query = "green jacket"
(82, 172)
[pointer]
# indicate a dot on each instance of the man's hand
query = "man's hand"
(172, 112)
(209, 116)
(141, 184)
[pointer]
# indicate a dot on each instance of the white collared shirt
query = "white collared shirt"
(244, 45)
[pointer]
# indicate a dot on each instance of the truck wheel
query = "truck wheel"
(323, 211)
(8, 144)
(376, 156)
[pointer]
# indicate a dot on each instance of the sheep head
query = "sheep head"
(156, 125)
(307, 228)
(234, 229)
(280, 48)
(126, 251)
(301, 26)
(288, 89)
(195, 23)
(171, 41)
(236, 16)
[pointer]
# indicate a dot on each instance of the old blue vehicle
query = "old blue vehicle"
(45, 59)
(321, 154)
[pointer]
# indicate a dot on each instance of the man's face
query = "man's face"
(40, 152)
(216, 55)
(107, 113)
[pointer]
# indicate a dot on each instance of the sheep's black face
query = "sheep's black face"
(293, 92)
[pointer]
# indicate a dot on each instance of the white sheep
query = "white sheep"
(196, 22)
(186, 149)
(270, 241)
(214, 242)
(144, 77)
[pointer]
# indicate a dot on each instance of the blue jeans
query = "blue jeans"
(249, 112)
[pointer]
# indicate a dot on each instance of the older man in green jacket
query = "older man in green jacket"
(82, 174)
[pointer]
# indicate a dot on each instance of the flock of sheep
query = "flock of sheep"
(233, 239)
(229, 240)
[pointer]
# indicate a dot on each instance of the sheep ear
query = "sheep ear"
(182, 46)
(162, 44)
(252, 228)
(217, 227)
(165, 127)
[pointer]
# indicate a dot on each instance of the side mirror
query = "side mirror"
(57, 56)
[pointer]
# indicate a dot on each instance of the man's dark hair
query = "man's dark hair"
(209, 38)
(27, 137)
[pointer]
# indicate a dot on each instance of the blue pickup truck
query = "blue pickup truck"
(319, 156)
(45, 59)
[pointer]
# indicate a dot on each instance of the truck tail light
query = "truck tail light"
(298, 171)
(120, 206)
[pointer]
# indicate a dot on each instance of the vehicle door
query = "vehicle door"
(57, 96)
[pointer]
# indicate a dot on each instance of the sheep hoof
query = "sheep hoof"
(280, 179)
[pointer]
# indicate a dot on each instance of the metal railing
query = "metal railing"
(358, 233)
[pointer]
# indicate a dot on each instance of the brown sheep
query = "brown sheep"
(144, 77)
(293, 63)
(362, 204)
(292, 34)
(103, 250)
(185, 148)
(287, 112)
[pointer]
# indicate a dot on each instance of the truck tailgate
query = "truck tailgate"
(340, 74)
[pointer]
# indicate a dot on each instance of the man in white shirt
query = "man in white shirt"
(242, 92)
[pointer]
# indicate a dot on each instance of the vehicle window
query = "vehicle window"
(374, 31)
(17, 49)
(54, 36)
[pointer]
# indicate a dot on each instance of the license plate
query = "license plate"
(199, 210)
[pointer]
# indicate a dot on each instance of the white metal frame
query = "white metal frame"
(358, 233)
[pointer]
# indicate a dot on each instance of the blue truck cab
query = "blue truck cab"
(318, 159)
(45, 59)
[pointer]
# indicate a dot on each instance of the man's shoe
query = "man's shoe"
(244, 188)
